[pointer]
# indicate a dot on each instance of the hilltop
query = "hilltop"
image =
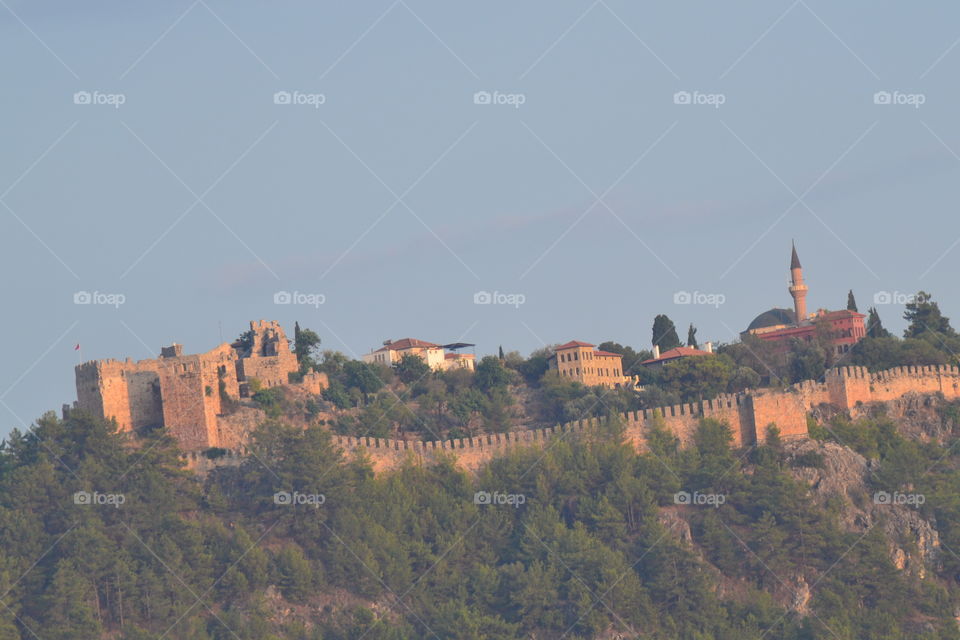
(588, 538)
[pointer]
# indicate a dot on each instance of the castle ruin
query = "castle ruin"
(188, 394)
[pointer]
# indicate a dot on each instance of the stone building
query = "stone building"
(581, 362)
(188, 394)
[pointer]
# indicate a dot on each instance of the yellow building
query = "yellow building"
(581, 362)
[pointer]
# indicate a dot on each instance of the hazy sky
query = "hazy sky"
(181, 181)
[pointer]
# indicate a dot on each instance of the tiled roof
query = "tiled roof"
(842, 313)
(573, 344)
(408, 343)
(678, 352)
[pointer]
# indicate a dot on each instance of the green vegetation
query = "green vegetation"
(928, 339)
(665, 333)
(305, 345)
(509, 391)
(597, 546)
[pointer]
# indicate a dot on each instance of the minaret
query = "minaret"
(797, 289)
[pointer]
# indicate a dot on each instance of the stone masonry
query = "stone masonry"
(747, 414)
(185, 393)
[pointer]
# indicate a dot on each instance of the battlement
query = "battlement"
(748, 415)
(185, 393)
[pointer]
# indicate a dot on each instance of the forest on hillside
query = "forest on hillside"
(852, 534)
(588, 539)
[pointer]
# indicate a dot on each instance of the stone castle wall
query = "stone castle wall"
(747, 414)
(183, 393)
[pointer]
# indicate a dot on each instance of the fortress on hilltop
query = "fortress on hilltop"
(188, 394)
(195, 398)
(747, 414)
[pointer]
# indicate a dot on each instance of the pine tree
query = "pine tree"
(692, 336)
(665, 333)
(305, 343)
(875, 326)
(924, 316)
(851, 301)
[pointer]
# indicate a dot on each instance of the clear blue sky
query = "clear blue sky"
(398, 198)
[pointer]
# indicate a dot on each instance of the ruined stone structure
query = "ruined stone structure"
(268, 358)
(747, 414)
(187, 393)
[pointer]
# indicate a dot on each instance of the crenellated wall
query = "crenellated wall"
(183, 392)
(747, 414)
(178, 393)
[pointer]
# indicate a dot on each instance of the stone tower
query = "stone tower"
(797, 288)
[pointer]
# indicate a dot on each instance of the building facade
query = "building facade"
(436, 357)
(581, 362)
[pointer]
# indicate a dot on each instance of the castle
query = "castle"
(843, 328)
(747, 414)
(188, 394)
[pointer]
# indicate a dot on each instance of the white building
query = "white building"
(434, 355)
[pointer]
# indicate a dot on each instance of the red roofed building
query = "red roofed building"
(393, 351)
(581, 362)
(843, 328)
(672, 355)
